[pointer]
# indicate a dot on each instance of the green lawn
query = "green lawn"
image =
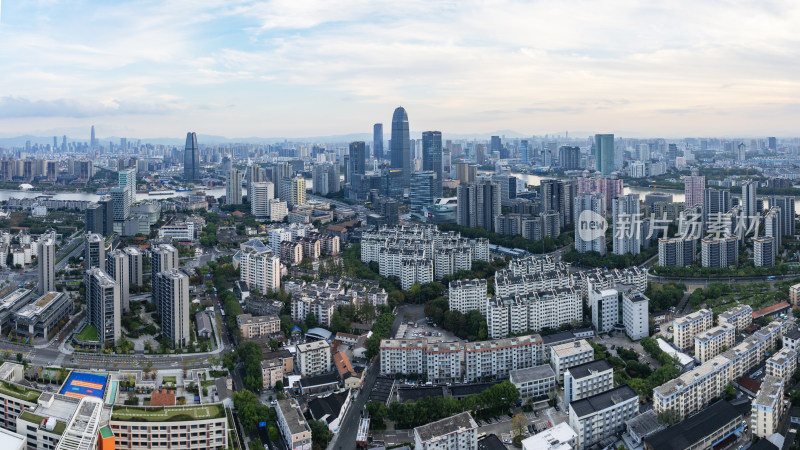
(28, 395)
(171, 414)
(33, 418)
(172, 380)
(88, 334)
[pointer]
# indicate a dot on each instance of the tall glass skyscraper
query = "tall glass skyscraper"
(432, 157)
(604, 153)
(377, 141)
(401, 145)
(191, 158)
(358, 157)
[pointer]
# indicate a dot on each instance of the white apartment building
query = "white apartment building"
(256, 327)
(636, 315)
(605, 309)
(740, 316)
(403, 356)
(321, 308)
(693, 390)
(292, 425)
(314, 358)
(532, 312)
(459, 432)
(496, 358)
(782, 364)
(276, 236)
(773, 332)
(767, 408)
(686, 327)
(791, 339)
(209, 429)
(259, 194)
(587, 379)
(507, 284)
(534, 383)
(714, 341)
(468, 295)
(260, 269)
(571, 354)
(443, 361)
(600, 416)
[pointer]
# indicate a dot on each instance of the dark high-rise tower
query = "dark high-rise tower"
(432, 157)
(191, 158)
(401, 144)
(604, 153)
(358, 158)
(377, 141)
(93, 141)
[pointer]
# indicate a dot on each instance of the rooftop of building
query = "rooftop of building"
(771, 309)
(312, 346)
(736, 310)
(768, 395)
(167, 414)
(571, 348)
(702, 313)
(603, 400)
(555, 438)
(293, 416)
(248, 319)
(327, 407)
(645, 424)
(19, 392)
(782, 356)
(459, 422)
(556, 338)
(689, 431)
(504, 342)
(590, 368)
(715, 332)
(10, 439)
(320, 380)
(531, 373)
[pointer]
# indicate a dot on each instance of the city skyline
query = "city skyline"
(286, 70)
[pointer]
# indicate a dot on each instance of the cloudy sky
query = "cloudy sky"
(298, 68)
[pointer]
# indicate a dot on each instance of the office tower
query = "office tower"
(127, 179)
(47, 263)
(191, 158)
(466, 173)
(773, 227)
(260, 194)
(233, 188)
(722, 252)
(118, 268)
(595, 203)
(479, 204)
(786, 204)
(358, 157)
(100, 217)
(92, 140)
(569, 158)
(377, 141)
(627, 225)
(95, 251)
(764, 251)
(423, 191)
(103, 305)
(717, 201)
(432, 157)
(163, 257)
(749, 208)
(135, 266)
(604, 153)
(496, 145)
(401, 145)
(172, 300)
(121, 201)
(772, 143)
(524, 151)
(694, 187)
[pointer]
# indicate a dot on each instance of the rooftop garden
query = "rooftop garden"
(167, 414)
(19, 392)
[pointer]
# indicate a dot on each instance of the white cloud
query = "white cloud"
(657, 68)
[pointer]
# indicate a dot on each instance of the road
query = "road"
(729, 280)
(345, 439)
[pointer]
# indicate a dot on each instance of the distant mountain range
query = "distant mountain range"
(19, 141)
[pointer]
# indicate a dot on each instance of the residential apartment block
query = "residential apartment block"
(403, 356)
(636, 315)
(260, 269)
(532, 312)
(587, 379)
(314, 358)
(600, 416)
(257, 327)
(605, 309)
(767, 407)
(571, 354)
(496, 358)
(714, 341)
(782, 364)
(292, 425)
(271, 372)
(467, 295)
(740, 316)
(534, 383)
(455, 432)
(686, 327)
(443, 361)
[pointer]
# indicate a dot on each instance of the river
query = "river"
(6, 194)
(677, 195)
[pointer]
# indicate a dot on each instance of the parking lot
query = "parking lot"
(416, 325)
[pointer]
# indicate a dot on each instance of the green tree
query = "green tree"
(320, 435)
(669, 417)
